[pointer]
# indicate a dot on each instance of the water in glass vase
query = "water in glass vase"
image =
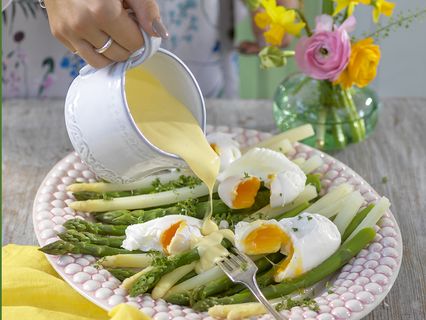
(339, 116)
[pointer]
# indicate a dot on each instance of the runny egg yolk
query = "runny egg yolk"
(268, 238)
(168, 234)
(215, 147)
(298, 266)
(245, 193)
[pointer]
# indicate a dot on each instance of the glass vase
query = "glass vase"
(339, 116)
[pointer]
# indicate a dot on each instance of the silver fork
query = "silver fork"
(240, 268)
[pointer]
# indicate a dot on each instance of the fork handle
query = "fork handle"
(254, 288)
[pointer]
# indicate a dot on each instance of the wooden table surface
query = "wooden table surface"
(34, 139)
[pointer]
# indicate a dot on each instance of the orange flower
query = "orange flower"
(362, 66)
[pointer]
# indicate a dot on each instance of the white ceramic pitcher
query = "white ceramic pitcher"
(101, 128)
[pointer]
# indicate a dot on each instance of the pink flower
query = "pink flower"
(326, 53)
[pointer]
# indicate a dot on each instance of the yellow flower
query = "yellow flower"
(382, 7)
(350, 4)
(362, 66)
(278, 21)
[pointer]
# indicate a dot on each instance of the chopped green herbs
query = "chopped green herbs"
(182, 181)
(329, 288)
(288, 303)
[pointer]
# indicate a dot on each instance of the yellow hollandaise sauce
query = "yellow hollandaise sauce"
(170, 126)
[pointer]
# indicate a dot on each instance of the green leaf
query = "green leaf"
(272, 57)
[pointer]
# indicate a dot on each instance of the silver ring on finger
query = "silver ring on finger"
(105, 47)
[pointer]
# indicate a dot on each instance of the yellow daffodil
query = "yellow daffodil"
(350, 4)
(382, 7)
(278, 21)
(362, 66)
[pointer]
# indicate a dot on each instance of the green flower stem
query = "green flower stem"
(320, 132)
(357, 125)
(339, 135)
(303, 18)
(300, 85)
(327, 7)
(326, 103)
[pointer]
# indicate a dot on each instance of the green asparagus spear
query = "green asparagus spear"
(191, 207)
(225, 283)
(326, 268)
(122, 273)
(221, 284)
(315, 180)
(264, 279)
(97, 228)
(165, 265)
(63, 247)
(76, 236)
(356, 221)
(293, 212)
(148, 280)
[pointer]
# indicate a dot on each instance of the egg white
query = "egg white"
(285, 187)
(226, 147)
(147, 236)
(284, 178)
(312, 238)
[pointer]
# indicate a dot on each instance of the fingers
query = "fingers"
(125, 32)
(248, 47)
(98, 39)
(86, 51)
(66, 43)
(148, 15)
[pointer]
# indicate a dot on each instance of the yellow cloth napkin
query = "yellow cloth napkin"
(31, 289)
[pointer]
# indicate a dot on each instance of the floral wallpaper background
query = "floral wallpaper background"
(34, 63)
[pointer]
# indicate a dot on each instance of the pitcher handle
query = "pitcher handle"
(150, 47)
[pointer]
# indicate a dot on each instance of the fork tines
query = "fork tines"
(237, 261)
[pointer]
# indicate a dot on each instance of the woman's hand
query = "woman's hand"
(84, 26)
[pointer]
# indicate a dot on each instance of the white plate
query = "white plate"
(356, 289)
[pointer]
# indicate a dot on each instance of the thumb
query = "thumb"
(148, 16)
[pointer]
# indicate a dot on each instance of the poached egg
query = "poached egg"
(226, 148)
(171, 234)
(241, 180)
(306, 240)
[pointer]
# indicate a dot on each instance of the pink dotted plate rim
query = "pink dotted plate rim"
(359, 287)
